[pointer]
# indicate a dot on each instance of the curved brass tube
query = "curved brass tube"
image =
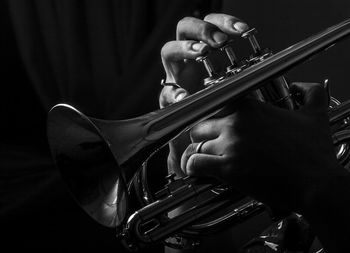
(100, 159)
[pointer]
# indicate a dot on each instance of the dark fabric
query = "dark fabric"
(100, 56)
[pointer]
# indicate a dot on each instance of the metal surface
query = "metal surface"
(101, 159)
(87, 165)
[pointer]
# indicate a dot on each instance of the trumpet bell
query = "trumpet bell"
(87, 164)
(101, 160)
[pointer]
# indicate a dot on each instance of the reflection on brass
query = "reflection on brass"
(103, 162)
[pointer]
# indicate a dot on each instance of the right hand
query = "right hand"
(194, 38)
(280, 157)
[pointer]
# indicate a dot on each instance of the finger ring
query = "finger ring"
(198, 148)
(163, 83)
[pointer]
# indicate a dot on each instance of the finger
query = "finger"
(174, 53)
(206, 130)
(170, 95)
(180, 50)
(204, 165)
(312, 95)
(190, 28)
(209, 147)
(227, 23)
(189, 151)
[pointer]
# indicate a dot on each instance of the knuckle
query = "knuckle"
(165, 49)
(228, 19)
(204, 30)
(191, 166)
(197, 130)
(182, 22)
(209, 16)
(187, 46)
(190, 150)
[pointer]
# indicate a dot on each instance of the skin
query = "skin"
(179, 63)
(283, 158)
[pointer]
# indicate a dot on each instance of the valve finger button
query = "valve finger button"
(210, 69)
(251, 37)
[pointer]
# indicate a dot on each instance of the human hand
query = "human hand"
(277, 156)
(194, 38)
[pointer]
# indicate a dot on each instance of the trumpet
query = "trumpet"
(104, 163)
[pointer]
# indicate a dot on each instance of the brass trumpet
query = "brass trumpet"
(105, 162)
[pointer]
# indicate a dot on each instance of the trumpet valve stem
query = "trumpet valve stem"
(207, 64)
(210, 69)
(252, 39)
(230, 55)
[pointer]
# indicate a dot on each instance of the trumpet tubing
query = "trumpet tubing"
(104, 163)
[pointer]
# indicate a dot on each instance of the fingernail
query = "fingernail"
(198, 46)
(180, 97)
(240, 27)
(219, 37)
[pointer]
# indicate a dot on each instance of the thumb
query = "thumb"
(170, 95)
